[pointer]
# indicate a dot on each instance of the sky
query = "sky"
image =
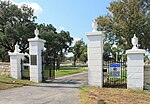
(74, 16)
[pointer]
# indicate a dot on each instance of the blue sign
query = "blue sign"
(115, 70)
(114, 65)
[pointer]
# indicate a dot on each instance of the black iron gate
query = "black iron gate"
(25, 70)
(114, 74)
(48, 69)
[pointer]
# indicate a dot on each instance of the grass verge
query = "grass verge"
(96, 95)
(7, 82)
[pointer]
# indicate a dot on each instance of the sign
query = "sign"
(115, 70)
(33, 59)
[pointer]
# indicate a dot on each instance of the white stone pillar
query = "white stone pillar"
(15, 63)
(36, 46)
(95, 57)
(135, 66)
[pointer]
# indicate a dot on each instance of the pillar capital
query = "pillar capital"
(135, 51)
(96, 33)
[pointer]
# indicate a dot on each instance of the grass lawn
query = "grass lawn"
(65, 71)
(95, 95)
(70, 70)
(6, 83)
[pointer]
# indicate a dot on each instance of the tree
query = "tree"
(57, 44)
(64, 43)
(126, 18)
(4, 57)
(16, 25)
(83, 57)
(79, 50)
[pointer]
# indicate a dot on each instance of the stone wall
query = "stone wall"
(4, 68)
(147, 77)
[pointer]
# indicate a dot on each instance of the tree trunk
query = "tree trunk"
(58, 64)
(74, 61)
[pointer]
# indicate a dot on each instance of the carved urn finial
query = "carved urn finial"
(36, 32)
(134, 42)
(94, 26)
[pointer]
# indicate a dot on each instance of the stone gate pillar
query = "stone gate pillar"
(135, 66)
(95, 56)
(15, 63)
(36, 45)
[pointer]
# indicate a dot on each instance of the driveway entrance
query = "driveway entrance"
(63, 90)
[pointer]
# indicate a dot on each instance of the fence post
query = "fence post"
(15, 63)
(135, 66)
(36, 45)
(95, 54)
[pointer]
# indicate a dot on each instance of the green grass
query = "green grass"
(7, 82)
(71, 70)
(65, 70)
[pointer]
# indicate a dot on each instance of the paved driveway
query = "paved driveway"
(63, 90)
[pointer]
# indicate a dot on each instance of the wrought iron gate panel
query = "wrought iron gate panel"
(25, 71)
(48, 71)
(114, 82)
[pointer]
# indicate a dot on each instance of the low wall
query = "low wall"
(147, 77)
(4, 68)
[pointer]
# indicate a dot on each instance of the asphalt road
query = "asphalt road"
(63, 90)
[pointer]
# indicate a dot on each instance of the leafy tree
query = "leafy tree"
(57, 44)
(16, 25)
(126, 18)
(79, 50)
(4, 57)
(83, 57)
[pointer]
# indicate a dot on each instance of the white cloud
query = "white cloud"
(61, 28)
(76, 39)
(37, 8)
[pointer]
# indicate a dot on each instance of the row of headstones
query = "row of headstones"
(36, 45)
(135, 61)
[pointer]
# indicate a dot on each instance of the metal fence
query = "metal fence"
(25, 70)
(114, 74)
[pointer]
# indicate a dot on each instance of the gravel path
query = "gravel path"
(64, 90)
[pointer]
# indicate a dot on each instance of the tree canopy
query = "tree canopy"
(16, 25)
(79, 51)
(126, 18)
(57, 44)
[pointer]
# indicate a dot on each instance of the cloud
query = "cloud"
(37, 8)
(76, 39)
(61, 28)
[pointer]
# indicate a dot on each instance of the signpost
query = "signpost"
(115, 70)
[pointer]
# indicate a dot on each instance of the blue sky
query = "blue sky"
(74, 16)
